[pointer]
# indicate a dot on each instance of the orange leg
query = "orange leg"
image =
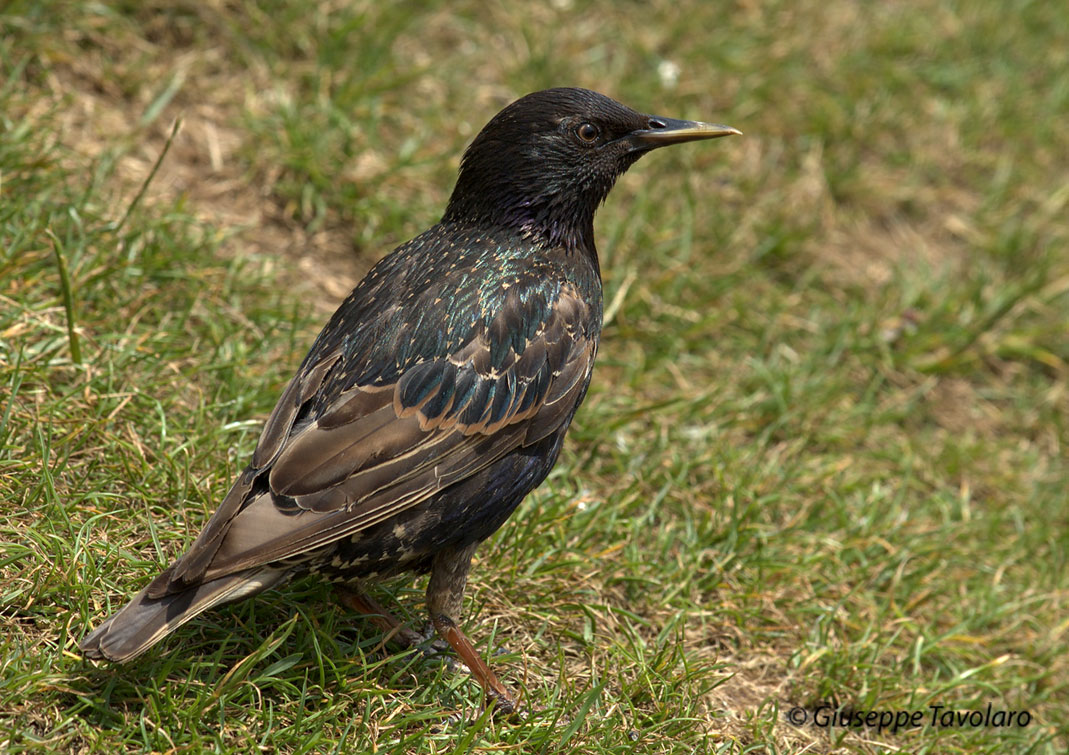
(380, 617)
(447, 630)
(492, 687)
(445, 598)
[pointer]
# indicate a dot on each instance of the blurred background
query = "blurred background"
(823, 459)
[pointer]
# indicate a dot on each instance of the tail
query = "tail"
(144, 621)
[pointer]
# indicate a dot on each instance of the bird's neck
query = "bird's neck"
(546, 220)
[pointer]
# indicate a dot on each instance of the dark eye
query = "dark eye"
(588, 132)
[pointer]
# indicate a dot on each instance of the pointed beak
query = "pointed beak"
(661, 132)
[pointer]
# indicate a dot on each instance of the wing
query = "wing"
(375, 450)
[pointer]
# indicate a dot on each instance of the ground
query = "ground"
(823, 461)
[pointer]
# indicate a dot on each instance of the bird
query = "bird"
(436, 397)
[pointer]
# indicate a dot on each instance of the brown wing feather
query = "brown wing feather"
(377, 450)
(191, 567)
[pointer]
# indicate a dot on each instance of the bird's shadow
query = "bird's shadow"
(246, 651)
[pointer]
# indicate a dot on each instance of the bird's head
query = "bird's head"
(544, 163)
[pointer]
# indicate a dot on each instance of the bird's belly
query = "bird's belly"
(464, 513)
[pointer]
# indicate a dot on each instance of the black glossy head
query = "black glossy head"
(545, 162)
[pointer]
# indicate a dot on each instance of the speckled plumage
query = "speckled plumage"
(439, 393)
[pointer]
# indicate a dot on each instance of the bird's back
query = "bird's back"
(445, 288)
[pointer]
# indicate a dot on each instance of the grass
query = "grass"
(823, 460)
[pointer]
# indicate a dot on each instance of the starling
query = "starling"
(437, 396)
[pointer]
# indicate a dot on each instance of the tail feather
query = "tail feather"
(144, 621)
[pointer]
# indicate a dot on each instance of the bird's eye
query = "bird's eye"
(588, 132)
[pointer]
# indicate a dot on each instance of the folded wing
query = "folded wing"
(322, 473)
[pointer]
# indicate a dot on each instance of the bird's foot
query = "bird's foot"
(449, 635)
(433, 644)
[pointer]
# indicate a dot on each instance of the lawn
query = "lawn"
(823, 464)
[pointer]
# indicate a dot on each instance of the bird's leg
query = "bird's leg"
(395, 629)
(445, 596)
(486, 678)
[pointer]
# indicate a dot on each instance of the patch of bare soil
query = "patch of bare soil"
(101, 117)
